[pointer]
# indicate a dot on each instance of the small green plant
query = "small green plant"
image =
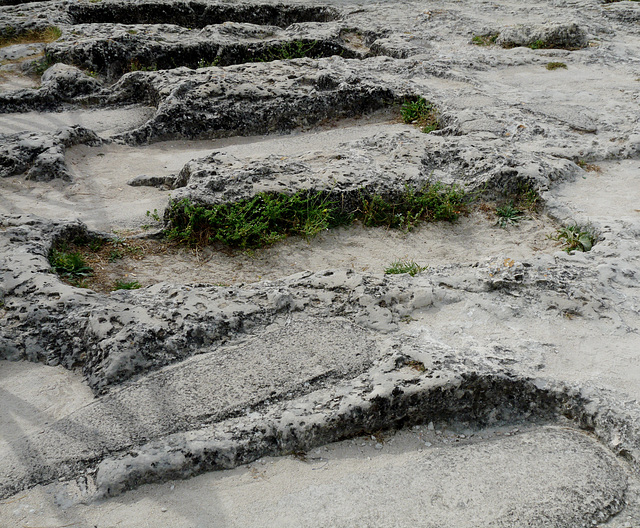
(43, 64)
(208, 64)
(126, 285)
(399, 267)
(96, 244)
(69, 264)
(421, 112)
(135, 65)
(132, 31)
(115, 254)
(508, 214)
(555, 65)
(577, 237)
(538, 44)
(155, 216)
(485, 40)
(526, 197)
(296, 49)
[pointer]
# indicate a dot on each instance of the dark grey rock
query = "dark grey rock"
(68, 82)
(562, 36)
(145, 180)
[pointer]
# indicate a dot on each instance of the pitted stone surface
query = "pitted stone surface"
(188, 378)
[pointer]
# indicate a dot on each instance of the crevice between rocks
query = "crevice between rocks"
(199, 14)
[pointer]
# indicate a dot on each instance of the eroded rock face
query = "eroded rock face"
(193, 377)
(40, 156)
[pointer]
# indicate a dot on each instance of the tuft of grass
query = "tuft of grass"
(399, 267)
(577, 237)
(555, 65)
(422, 113)
(485, 40)
(538, 44)
(267, 218)
(135, 65)
(508, 214)
(10, 35)
(526, 197)
(126, 285)
(69, 264)
(296, 49)
(589, 167)
(44, 64)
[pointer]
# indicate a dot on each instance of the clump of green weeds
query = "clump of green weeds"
(70, 265)
(526, 197)
(508, 214)
(539, 44)
(485, 40)
(43, 64)
(126, 285)
(555, 65)
(577, 237)
(135, 65)
(10, 35)
(267, 217)
(421, 112)
(399, 267)
(154, 215)
(259, 221)
(296, 49)
(434, 202)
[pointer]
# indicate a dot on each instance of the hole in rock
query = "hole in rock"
(199, 14)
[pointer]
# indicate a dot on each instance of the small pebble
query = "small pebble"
(163, 510)
(428, 444)
(378, 446)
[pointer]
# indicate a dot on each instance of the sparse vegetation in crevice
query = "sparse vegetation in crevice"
(267, 218)
(577, 237)
(400, 267)
(539, 44)
(43, 64)
(526, 197)
(422, 113)
(508, 214)
(126, 285)
(70, 265)
(555, 66)
(295, 49)
(136, 65)
(202, 63)
(485, 40)
(589, 167)
(92, 262)
(9, 35)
